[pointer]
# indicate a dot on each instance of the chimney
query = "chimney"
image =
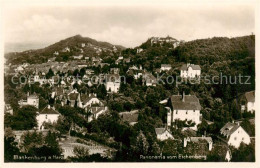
(183, 96)
(49, 106)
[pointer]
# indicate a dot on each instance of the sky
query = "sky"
(126, 25)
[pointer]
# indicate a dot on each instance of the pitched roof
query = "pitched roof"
(229, 129)
(191, 102)
(250, 96)
(129, 116)
(96, 110)
(50, 110)
(86, 98)
(160, 131)
(194, 67)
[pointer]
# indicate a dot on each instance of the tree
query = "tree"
(52, 144)
(31, 141)
(81, 152)
(101, 91)
(248, 127)
(10, 146)
(25, 119)
(202, 127)
(49, 74)
(141, 145)
(245, 153)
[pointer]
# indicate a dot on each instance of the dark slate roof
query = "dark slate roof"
(194, 67)
(191, 102)
(86, 98)
(50, 110)
(250, 96)
(229, 129)
(129, 116)
(160, 131)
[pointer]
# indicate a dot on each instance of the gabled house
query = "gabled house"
(163, 134)
(148, 79)
(32, 100)
(248, 102)
(95, 111)
(165, 67)
(73, 98)
(235, 134)
(112, 83)
(9, 109)
(190, 71)
(184, 108)
(47, 115)
(88, 100)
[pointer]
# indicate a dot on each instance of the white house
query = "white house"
(249, 104)
(47, 115)
(32, 100)
(95, 112)
(202, 139)
(184, 107)
(87, 100)
(112, 83)
(190, 71)
(165, 67)
(163, 134)
(235, 134)
(149, 79)
(9, 109)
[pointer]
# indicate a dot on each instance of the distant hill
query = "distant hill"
(73, 43)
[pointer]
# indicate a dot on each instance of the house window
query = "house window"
(242, 139)
(194, 111)
(186, 112)
(45, 116)
(176, 111)
(235, 138)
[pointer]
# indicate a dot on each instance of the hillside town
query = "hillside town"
(83, 101)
